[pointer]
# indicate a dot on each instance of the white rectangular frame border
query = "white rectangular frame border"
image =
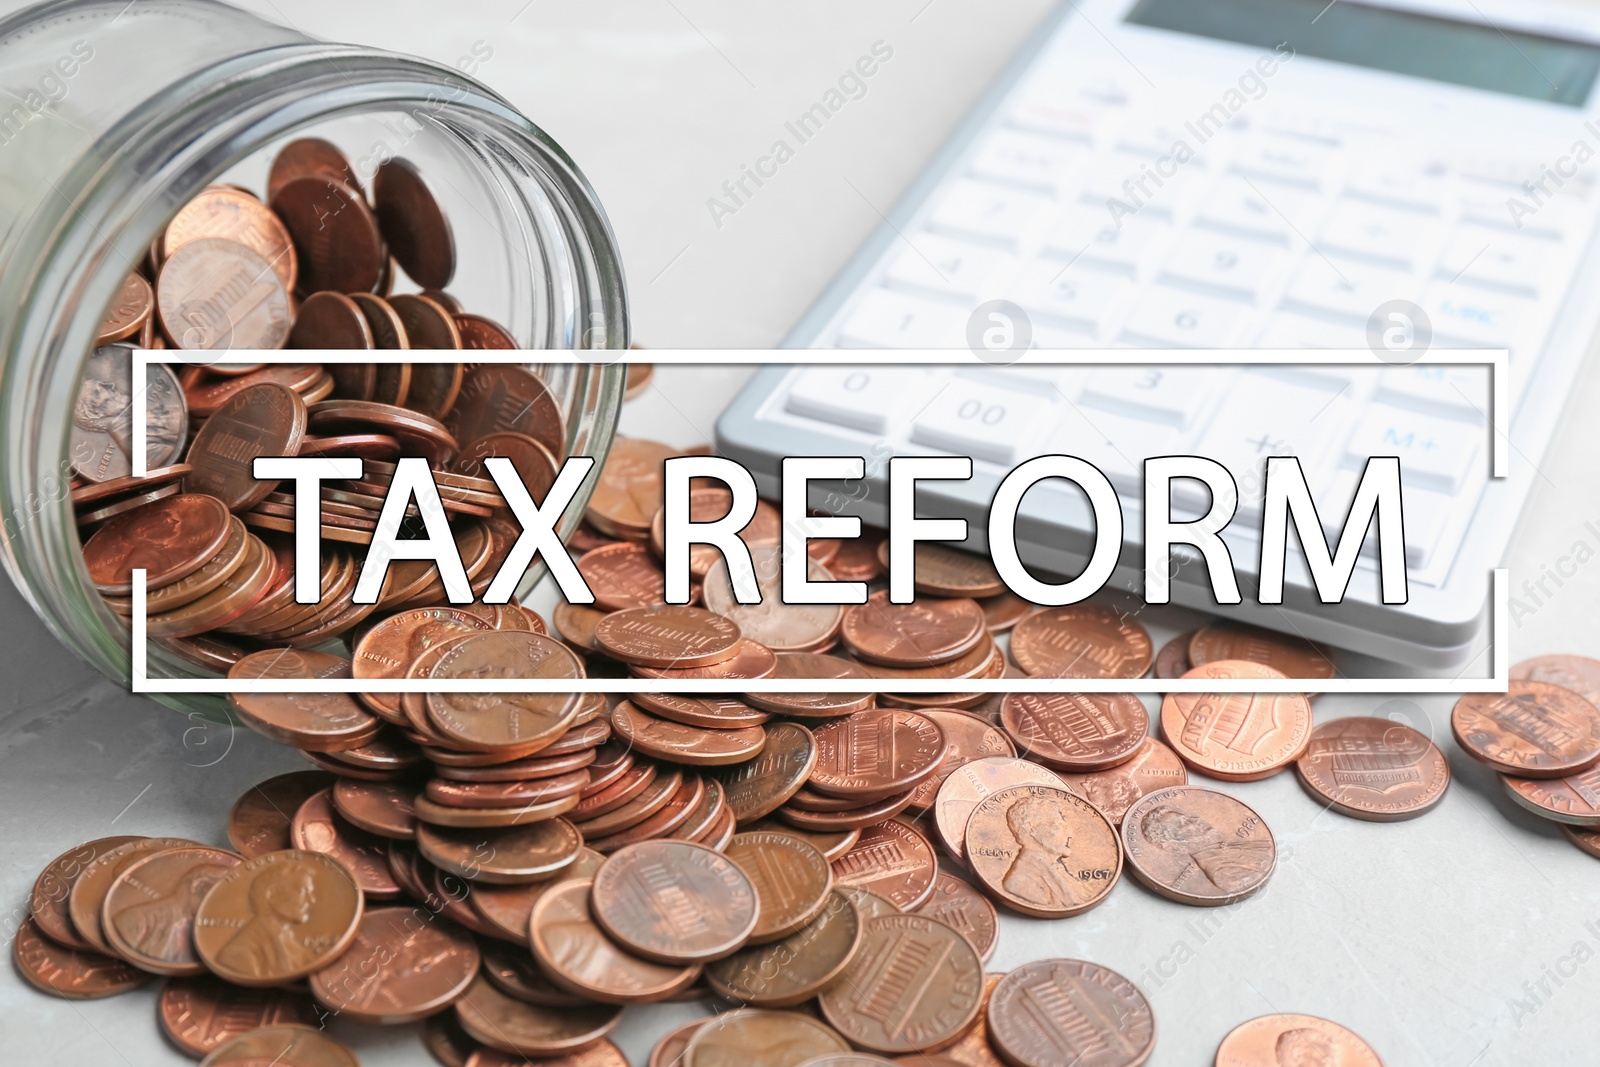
(1499, 610)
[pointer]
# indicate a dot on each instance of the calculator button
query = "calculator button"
(1285, 160)
(1012, 157)
(941, 267)
(1288, 330)
(1235, 204)
(1494, 259)
(1138, 187)
(1345, 287)
(1228, 266)
(1172, 317)
(968, 418)
(1263, 416)
(883, 319)
(981, 211)
(1477, 317)
(1089, 236)
(863, 398)
(1450, 392)
(1076, 297)
(1434, 453)
(1366, 231)
(1173, 396)
(1422, 186)
(1425, 516)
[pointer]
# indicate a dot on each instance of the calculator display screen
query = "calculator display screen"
(1473, 54)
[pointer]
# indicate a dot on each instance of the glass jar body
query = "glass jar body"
(114, 115)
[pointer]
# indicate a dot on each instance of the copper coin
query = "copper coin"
(429, 325)
(765, 1038)
(708, 505)
(362, 445)
(790, 971)
(781, 626)
(225, 604)
(1535, 730)
(814, 705)
(217, 570)
(479, 333)
(201, 1014)
(669, 1050)
(68, 973)
(706, 818)
(309, 157)
(392, 384)
(1076, 731)
(751, 659)
(436, 814)
(665, 739)
(892, 860)
(1173, 659)
(88, 519)
(317, 722)
(578, 956)
(1572, 801)
(501, 398)
(1289, 1039)
(760, 786)
(1293, 656)
(234, 215)
(874, 754)
(623, 575)
(206, 397)
(490, 720)
(1089, 1007)
(1043, 851)
(1153, 766)
(791, 877)
(856, 818)
(576, 624)
(130, 309)
(317, 827)
(531, 460)
(968, 738)
(383, 808)
(600, 1054)
(662, 822)
(674, 902)
(1198, 846)
(972, 1049)
(868, 904)
(1374, 769)
(944, 571)
(507, 907)
(1587, 840)
(628, 494)
(277, 917)
(1238, 737)
(543, 765)
(333, 320)
(832, 844)
(47, 904)
(86, 899)
(334, 232)
(632, 783)
(1003, 611)
(912, 635)
(281, 1046)
(710, 712)
(667, 636)
(1081, 641)
(503, 856)
(413, 224)
(102, 417)
(263, 420)
(217, 295)
(514, 972)
(1577, 673)
(446, 1041)
(965, 910)
(511, 1025)
(148, 914)
(390, 648)
(966, 787)
(398, 969)
(170, 539)
(503, 794)
(915, 985)
(119, 488)
(259, 820)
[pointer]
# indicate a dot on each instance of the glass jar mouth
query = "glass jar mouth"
(169, 147)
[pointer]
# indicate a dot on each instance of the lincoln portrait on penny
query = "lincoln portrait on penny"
(1039, 872)
(280, 901)
(1229, 865)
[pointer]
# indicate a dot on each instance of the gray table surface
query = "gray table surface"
(1468, 936)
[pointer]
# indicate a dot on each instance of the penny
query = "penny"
(1374, 769)
(1043, 851)
(398, 969)
(665, 739)
(263, 420)
(390, 648)
(317, 827)
(635, 783)
(1087, 1007)
(69, 973)
(102, 417)
(383, 808)
(1153, 766)
(170, 540)
(750, 660)
(218, 569)
(446, 1041)
(915, 985)
(674, 902)
(969, 784)
(334, 232)
(944, 571)
(708, 505)
(1580, 674)
(218, 295)
(531, 460)
(792, 879)
(576, 623)
(478, 332)
(507, 907)
(148, 914)
(1081, 641)
(392, 381)
(437, 814)
(877, 753)
(628, 494)
(277, 917)
(860, 817)
(1534, 730)
(1587, 840)
(1238, 737)
(1173, 659)
(259, 820)
(868, 905)
(281, 1046)
(117, 489)
(972, 1049)
(1198, 846)
(88, 519)
(790, 971)
(601, 1054)
(228, 602)
(831, 843)
(309, 157)
(47, 904)
(710, 712)
(578, 956)
(511, 1025)
(669, 1050)
(814, 705)
(502, 794)
(768, 1038)
(489, 720)
(130, 309)
(1003, 611)
(513, 971)
(912, 635)
(892, 860)
(704, 822)
(413, 224)
(333, 320)
(86, 899)
(501, 398)
(1076, 731)
(201, 1014)
(1279, 1039)
(223, 211)
(1572, 801)
(662, 822)
(968, 738)
(966, 911)
(545, 764)
(667, 636)
(1294, 657)
(207, 396)
(623, 575)
(781, 626)
(510, 856)
(316, 722)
